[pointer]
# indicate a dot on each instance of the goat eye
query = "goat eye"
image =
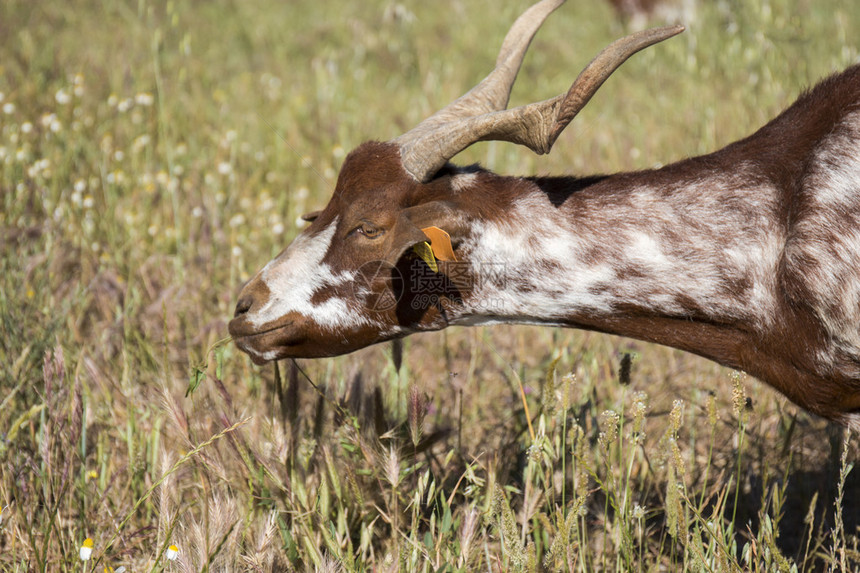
(369, 231)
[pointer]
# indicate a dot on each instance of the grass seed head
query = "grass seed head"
(609, 424)
(712, 410)
(675, 415)
(416, 411)
(739, 398)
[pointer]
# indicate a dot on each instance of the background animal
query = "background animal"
(637, 13)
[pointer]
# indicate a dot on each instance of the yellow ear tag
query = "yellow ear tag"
(424, 251)
(440, 242)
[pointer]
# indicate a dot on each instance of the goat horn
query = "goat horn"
(480, 115)
(493, 92)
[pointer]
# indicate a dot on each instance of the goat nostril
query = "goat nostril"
(244, 305)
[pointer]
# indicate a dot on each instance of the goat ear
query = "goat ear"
(407, 230)
(402, 236)
(309, 217)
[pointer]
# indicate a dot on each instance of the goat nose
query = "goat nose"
(244, 305)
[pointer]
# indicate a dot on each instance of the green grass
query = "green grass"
(153, 155)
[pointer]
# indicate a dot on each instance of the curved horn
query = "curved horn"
(480, 114)
(493, 92)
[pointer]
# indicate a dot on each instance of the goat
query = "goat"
(746, 256)
(636, 12)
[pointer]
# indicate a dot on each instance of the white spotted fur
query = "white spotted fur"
(547, 280)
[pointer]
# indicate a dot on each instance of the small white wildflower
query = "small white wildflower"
(38, 167)
(48, 118)
(87, 549)
(112, 100)
(302, 193)
(140, 142)
(278, 228)
(224, 168)
(338, 152)
(638, 511)
(79, 85)
(8, 108)
(88, 202)
(62, 96)
(119, 155)
(80, 185)
(152, 230)
(197, 212)
(172, 553)
(231, 135)
(145, 99)
(237, 220)
(124, 105)
(26, 127)
(56, 126)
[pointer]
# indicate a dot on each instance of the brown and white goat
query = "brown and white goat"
(637, 12)
(747, 256)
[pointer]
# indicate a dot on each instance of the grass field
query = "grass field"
(153, 155)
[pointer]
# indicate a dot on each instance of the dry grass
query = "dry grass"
(154, 154)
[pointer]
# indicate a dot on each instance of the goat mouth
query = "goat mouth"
(271, 343)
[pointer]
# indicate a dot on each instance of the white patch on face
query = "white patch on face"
(296, 275)
(269, 356)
